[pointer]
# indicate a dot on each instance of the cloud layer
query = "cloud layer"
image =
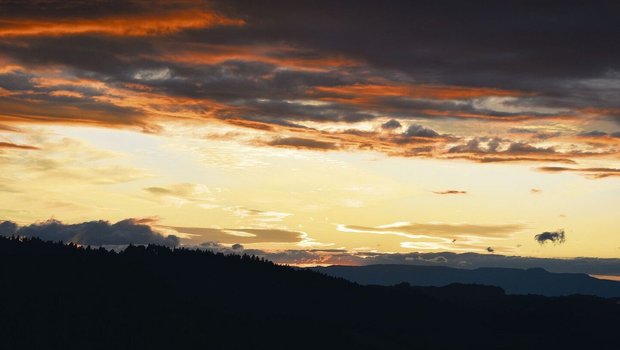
(395, 86)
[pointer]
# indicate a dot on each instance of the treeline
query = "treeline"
(58, 295)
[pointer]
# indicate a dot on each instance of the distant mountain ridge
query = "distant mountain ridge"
(513, 281)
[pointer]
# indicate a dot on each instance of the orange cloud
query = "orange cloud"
(128, 25)
(366, 92)
(17, 146)
(278, 55)
(142, 108)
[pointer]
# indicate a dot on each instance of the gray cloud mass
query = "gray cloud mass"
(95, 233)
(556, 237)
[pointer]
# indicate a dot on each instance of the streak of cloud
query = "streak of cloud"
(450, 192)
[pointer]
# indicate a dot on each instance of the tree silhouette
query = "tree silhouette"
(57, 295)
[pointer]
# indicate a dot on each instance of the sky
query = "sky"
(317, 132)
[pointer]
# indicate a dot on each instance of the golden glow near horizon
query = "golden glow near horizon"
(207, 188)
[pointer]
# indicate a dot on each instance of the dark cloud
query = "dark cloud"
(263, 66)
(486, 149)
(490, 250)
(474, 146)
(417, 130)
(536, 134)
(523, 148)
(557, 237)
(96, 233)
(485, 145)
(456, 29)
(594, 133)
(391, 124)
(599, 134)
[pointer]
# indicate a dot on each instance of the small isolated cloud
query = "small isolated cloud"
(417, 130)
(490, 250)
(450, 192)
(258, 216)
(302, 143)
(391, 125)
(237, 246)
(535, 190)
(95, 233)
(556, 237)
(183, 193)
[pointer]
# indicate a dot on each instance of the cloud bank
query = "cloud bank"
(333, 84)
(93, 233)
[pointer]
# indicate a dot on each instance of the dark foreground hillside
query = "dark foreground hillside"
(62, 296)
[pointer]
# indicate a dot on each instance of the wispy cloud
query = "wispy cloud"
(594, 173)
(440, 236)
(153, 20)
(450, 192)
(17, 146)
(239, 235)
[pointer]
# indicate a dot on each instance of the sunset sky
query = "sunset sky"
(324, 131)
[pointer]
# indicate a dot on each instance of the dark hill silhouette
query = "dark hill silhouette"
(57, 296)
(513, 281)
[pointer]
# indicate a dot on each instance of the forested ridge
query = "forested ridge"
(57, 295)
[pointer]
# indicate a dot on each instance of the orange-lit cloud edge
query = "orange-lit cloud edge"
(150, 109)
(374, 95)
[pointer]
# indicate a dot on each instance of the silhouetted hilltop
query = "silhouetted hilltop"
(63, 296)
(513, 281)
